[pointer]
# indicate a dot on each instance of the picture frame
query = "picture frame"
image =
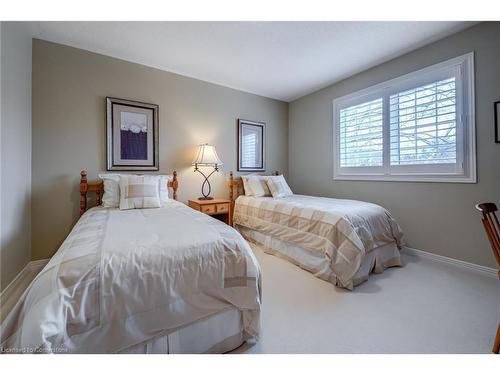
(131, 135)
(496, 108)
(251, 146)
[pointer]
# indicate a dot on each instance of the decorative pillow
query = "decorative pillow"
(111, 196)
(278, 186)
(255, 186)
(139, 192)
(163, 188)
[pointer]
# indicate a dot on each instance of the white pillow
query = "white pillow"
(139, 192)
(255, 186)
(278, 186)
(111, 196)
(163, 188)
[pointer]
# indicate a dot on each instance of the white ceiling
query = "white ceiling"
(281, 60)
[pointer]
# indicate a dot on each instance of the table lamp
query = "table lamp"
(206, 157)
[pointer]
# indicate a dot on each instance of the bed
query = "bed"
(157, 280)
(338, 240)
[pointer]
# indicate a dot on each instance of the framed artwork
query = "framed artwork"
(251, 146)
(132, 135)
(497, 121)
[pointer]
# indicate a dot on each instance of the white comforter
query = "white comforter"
(124, 277)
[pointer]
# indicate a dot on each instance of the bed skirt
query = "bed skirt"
(219, 333)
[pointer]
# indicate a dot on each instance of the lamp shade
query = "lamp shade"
(207, 156)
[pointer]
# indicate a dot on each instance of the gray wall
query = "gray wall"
(69, 87)
(15, 149)
(436, 217)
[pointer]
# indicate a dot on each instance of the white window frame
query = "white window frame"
(462, 67)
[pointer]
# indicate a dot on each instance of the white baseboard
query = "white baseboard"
(11, 294)
(487, 271)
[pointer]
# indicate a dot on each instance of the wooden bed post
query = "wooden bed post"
(231, 197)
(83, 192)
(231, 186)
(98, 199)
(175, 185)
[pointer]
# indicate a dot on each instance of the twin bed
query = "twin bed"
(338, 240)
(158, 280)
(174, 280)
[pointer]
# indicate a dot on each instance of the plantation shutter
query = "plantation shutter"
(423, 125)
(361, 135)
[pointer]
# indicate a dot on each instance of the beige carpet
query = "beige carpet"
(423, 307)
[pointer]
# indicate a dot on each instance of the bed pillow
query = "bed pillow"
(139, 192)
(164, 189)
(256, 186)
(111, 196)
(278, 186)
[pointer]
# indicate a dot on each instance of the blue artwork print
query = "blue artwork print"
(133, 136)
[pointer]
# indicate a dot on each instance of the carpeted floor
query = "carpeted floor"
(423, 307)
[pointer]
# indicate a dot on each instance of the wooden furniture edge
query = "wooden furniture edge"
(235, 193)
(98, 188)
(492, 227)
(211, 201)
(198, 205)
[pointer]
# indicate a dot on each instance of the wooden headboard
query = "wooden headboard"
(236, 187)
(98, 188)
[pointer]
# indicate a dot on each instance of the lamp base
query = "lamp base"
(205, 198)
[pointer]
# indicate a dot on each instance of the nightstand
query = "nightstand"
(218, 208)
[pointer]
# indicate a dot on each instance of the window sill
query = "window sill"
(407, 178)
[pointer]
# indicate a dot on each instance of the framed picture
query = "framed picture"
(132, 135)
(497, 121)
(251, 146)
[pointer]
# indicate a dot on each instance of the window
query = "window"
(361, 135)
(419, 127)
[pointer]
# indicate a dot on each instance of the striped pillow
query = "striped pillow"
(278, 186)
(256, 186)
(139, 192)
(111, 196)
